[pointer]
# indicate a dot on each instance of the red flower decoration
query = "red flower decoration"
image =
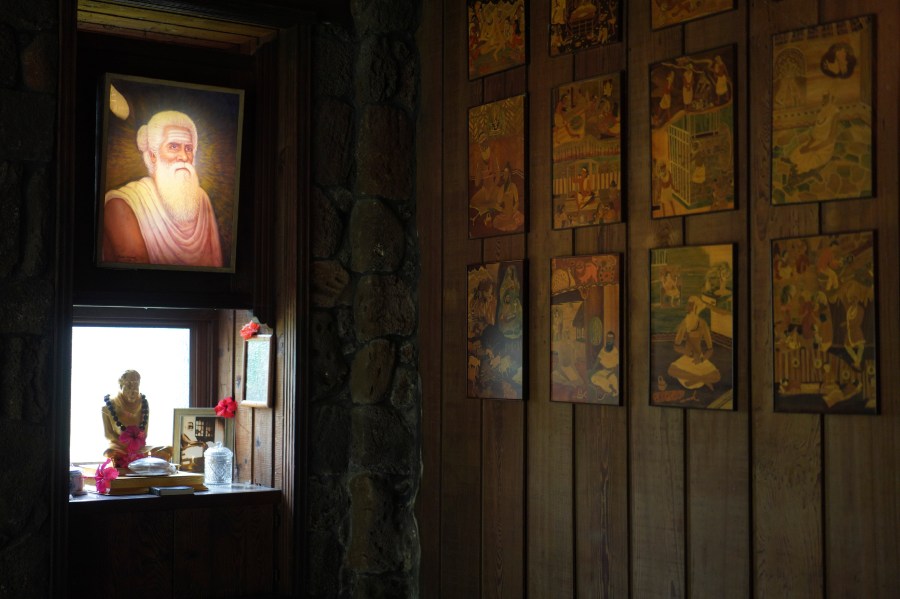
(226, 407)
(133, 439)
(104, 474)
(249, 330)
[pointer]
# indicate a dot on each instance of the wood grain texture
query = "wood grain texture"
(243, 420)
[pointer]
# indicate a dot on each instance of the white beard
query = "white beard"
(179, 191)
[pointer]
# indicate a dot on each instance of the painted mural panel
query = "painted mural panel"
(692, 147)
(497, 178)
(665, 13)
(496, 330)
(587, 152)
(692, 327)
(822, 113)
(586, 329)
(496, 36)
(581, 24)
(824, 311)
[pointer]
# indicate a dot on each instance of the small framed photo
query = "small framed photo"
(823, 115)
(692, 327)
(495, 330)
(579, 25)
(496, 36)
(169, 175)
(825, 325)
(258, 359)
(195, 431)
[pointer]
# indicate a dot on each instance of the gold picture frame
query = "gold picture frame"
(195, 430)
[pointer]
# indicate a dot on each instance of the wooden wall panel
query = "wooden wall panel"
(645, 501)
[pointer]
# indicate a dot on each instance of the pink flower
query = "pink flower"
(124, 460)
(104, 474)
(226, 407)
(133, 439)
(249, 330)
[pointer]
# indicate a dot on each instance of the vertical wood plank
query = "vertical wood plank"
(786, 448)
(502, 512)
(862, 454)
(429, 159)
(245, 451)
(461, 492)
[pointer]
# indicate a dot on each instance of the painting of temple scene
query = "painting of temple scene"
(692, 327)
(587, 152)
(586, 330)
(581, 24)
(824, 313)
(692, 133)
(496, 36)
(665, 13)
(822, 113)
(495, 330)
(497, 168)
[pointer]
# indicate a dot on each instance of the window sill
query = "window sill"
(238, 494)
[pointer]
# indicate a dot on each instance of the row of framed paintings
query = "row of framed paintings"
(822, 142)
(823, 325)
(497, 29)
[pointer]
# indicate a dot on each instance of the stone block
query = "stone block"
(39, 63)
(376, 238)
(38, 245)
(333, 49)
(376, 539)
(384, 16)
(326, 226)
(31, 15)
(329, 283)
(383, 306)
(385, 153)
(27, 126)
(332, 141)
(9, 57)
(377, 71)
(328, 367)
(329, 504)
(381, 441)
(325, 559)
(330, 439)
(10, 208)
(385, 587)
(25, 307)
(372, 371)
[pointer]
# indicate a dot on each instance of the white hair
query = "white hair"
(150, 136)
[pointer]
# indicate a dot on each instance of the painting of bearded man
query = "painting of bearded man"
(164, 207)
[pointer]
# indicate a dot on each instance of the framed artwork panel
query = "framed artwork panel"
(587, 152)
(259, 357)
(582, 24)
(497, 36)
(495, 363)
(822, 112)
(195, 431)
(692, 146)
(824, 324)
(497, 168)
(665, 13)
(169, 175)
(586, 329)
(692, 327)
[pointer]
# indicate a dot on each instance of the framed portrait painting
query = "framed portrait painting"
(586, 329)
(496, 35)
(824, 324)
(497, 175)
(822, 113)
(692, 327)
(169, 175)
(692, 117)
(587, 152)
(495, 330)
(195, 431)
(582, 24)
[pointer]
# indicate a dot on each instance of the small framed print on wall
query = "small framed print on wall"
(692, 327)
(169, 175)
(496, 36)
(259, 356)
(582, 24)
(586, 329)
(495, 330)
(824, 324)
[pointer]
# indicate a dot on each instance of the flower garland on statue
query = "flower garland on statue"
(132, 437)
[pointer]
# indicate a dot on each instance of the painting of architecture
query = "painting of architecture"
(581, 24)
(586, 329)
(495, 330)
(665, 13)
(824, 311)
(587, 152)
(692, 146)
(497, 180)
(692, 327)
(822, 113)
(496, 36)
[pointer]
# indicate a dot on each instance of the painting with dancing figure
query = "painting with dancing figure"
(169, 175)
(496, 35)
(586, 329)
(824, 314)
(495, 346)
(582, 24)
(665, 13)
(692, 327)
(822, 113)
(692, 115)
(497, 178)
(587, 152)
